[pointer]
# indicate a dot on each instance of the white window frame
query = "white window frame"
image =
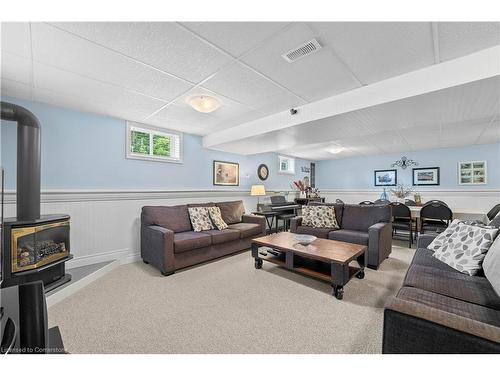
(289, 161)
(153, 131)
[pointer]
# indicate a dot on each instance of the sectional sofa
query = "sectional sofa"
(169, 243)
(441, 310)
(368, 225)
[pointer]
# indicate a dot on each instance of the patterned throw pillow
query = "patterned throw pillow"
(216, 217)
(200, 218)
(319, 217)
(443, 237)
(466, 247)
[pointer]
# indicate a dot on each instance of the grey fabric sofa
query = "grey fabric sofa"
(368, 225)
(441, 310)
(169, 243)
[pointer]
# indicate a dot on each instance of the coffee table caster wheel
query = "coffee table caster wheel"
(258, 263)
(338, 292)
(361, 275)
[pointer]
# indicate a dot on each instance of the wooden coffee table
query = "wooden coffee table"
(324, 259)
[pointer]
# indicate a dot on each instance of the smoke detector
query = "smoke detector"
(302, 51)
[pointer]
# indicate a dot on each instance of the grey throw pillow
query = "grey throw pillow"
(491, 265)
(466, 247)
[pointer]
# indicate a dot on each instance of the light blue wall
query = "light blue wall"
(87, 151)
(357, 173)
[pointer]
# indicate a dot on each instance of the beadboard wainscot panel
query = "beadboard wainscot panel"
(105, 225)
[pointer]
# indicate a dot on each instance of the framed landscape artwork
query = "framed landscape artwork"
(472, 173)
(386, 177)
(425, 176)
(226, 173)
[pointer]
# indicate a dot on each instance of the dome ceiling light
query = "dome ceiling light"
(204, 104)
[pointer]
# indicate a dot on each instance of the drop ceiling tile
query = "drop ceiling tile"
(115, 101)
(16, 68)
(491, 134)
(58, 48)
(313, 77)
(15, 89)
(235, 37)
(174, 125)
(16, 38)
(164, 45)
(245, 86)
(230, 113)
(184, 115)
(458, 39)
(379, 50)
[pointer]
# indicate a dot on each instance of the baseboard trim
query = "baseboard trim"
(122, 255)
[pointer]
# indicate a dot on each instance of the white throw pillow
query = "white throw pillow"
(466, 247)
(216, 217)
(200, 218)
(442, 237)
(491, 265)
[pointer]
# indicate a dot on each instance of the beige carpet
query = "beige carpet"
(227, 306)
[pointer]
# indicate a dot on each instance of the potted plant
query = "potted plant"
(401, 192)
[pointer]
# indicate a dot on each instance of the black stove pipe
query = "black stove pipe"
(28, 160)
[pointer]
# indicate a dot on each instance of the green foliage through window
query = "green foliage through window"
(161, 145)
(139, 143)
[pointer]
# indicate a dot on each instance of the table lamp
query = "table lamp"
(258, 191)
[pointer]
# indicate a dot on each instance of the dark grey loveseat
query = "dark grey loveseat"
(169, 243)
(368, 225)
(440, 310)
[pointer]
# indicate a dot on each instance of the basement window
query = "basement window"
(286, 165)
(150, 143)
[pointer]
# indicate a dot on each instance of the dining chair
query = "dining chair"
(382, 201)
(436, 201)
(435, 217)
(493, 212)
(366, 203)
(339, 201)
(401, 219)
(410, 202)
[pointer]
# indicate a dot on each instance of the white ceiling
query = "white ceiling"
(145, 72)
(461, 115)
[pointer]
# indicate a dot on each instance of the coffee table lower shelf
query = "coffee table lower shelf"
(337, 274)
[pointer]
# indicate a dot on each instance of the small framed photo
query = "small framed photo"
(386, 177)
(472, 173)
(226, 173)
(425, 176)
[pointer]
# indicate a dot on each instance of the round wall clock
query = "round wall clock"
(263, 172)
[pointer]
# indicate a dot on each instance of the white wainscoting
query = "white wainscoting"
(474, 200)
(105, 225)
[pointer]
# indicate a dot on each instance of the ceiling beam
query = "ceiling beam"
(480, 65)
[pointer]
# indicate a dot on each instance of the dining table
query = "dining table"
(458, 213)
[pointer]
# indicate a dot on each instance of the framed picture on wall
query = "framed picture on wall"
(386, 177)
(226, 173)
(425, 176)
(472, 173)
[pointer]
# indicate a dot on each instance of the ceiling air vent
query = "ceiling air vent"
(302, 51)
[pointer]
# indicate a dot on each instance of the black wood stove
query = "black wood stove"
(34, 247)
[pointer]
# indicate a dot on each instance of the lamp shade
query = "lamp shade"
(258, 190)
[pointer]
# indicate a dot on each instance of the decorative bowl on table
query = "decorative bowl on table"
(304, 239)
